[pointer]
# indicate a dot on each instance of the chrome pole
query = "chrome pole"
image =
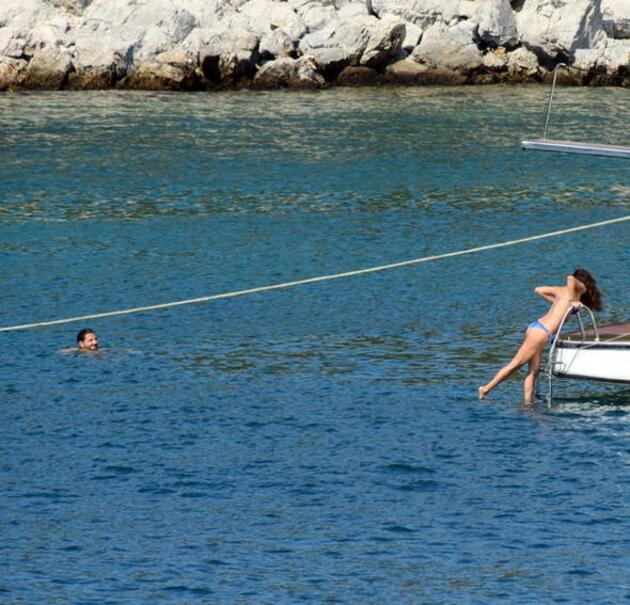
(553, 87)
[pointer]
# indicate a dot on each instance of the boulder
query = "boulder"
(352, 10)
(616, 13)
(451, 48)
(276, 44)
(347, 36)
(151, 28)
(359, 76)
(522, 65)
(12, 42)
(29, 25)
(75, 7)
(160, 75)
(103, 55)
(337, 45)
(616, 57)
(308, 75)
(423, 13)
(555, 29)
(330, 61)
(287, 72)
(11, 73)
(365, 40)
(224, 57)
(413, 35)
(48, 69)
(316, 16)
(496, 60)
(406, 71)
(496, 23)
(266, 15)
(385, 42)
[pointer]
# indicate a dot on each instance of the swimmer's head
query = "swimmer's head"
(87, 340)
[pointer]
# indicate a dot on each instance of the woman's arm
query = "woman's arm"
(549, 293)
(575, 286)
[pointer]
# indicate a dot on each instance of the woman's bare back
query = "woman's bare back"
(564, 297)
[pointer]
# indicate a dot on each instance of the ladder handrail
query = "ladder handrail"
(552, 349)
(553, 87)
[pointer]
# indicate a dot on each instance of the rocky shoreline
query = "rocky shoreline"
(308, 44)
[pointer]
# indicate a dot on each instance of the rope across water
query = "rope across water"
(312, 280)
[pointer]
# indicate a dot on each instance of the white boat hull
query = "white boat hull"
(607, 361)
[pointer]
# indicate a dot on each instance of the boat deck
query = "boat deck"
(618, 332)
(618, 151)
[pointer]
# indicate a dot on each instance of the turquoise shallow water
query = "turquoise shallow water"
(322, 443)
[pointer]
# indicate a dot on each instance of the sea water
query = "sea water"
(322, 443)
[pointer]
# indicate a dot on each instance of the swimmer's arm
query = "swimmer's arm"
(549, 293)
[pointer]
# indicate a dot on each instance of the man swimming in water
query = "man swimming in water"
(87, 340)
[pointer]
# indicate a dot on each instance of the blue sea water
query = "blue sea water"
(322, 443)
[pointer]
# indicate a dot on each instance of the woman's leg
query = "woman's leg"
(530, 380)
(534, 343)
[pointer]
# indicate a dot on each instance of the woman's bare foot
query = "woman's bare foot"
(483, 391)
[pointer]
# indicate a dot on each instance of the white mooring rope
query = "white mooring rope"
(312, 280)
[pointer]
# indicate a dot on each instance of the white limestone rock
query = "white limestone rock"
(276, 44)
(161, 75)
(413, 35)
(406, 71)
(48, 68)
(11, 72)
(12, 42)
(104, 55)
(385, 42)
(289, 72)
(352, 10)
(522, 64)
(150, 28)
(266, 15)
(609, 62)
(447, 47)
(331, 61)
(496, 23)
(29, 25)
(617, 14)
(316, 16)
(308, 75)
(365, 40)
(616, 56)
(347, 38)
(176, 58)
(496, 60)
(423, 13)
(557, 28)
(224, 57)
(75, 7)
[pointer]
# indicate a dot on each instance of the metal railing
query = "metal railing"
(549, 370)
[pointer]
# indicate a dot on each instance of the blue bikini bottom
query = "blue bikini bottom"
(539, 326)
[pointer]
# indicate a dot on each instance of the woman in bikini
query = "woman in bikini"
(581, 289)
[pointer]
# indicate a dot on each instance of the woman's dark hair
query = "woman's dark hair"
(592, 297)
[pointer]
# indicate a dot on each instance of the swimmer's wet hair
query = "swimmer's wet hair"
(83, 333)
